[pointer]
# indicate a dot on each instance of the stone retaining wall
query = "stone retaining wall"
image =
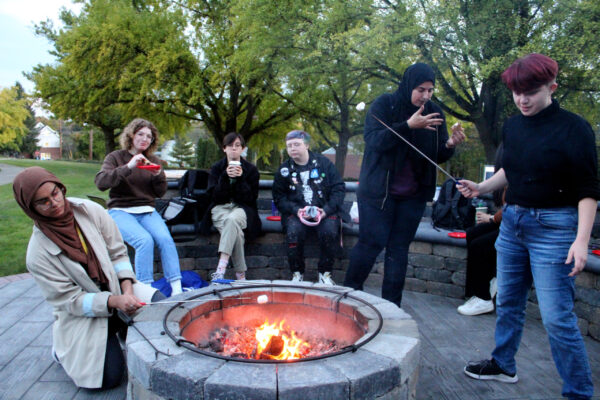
(433, 268)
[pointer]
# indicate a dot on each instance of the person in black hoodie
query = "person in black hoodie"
(550, 170)
(233, 187)
(309, 181)
(396, 181)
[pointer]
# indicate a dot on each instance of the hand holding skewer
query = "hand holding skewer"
(467, 188)
(127, 303)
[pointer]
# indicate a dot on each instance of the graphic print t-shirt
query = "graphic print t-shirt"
(302, 176)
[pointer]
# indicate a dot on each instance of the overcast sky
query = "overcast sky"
(20, 48)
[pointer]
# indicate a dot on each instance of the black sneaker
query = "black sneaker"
(489, 370)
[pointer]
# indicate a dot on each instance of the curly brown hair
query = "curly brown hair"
(126, 139)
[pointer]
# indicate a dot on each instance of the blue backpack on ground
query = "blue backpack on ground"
(189, 280)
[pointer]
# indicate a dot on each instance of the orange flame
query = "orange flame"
(293, 347)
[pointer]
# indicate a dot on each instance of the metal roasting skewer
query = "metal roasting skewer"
(188, 301)
(417, 150)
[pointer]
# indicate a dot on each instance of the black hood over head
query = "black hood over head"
(413, 77)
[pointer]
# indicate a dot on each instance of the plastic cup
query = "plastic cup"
(483, 210)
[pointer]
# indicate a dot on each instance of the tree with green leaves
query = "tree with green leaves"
(112, 60)
(207, 153)
(315, 46)
(183, 152)
(13, 114)
(470, 42)
(168, 62)
(28, 143)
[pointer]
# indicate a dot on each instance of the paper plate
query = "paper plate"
(274, 218)
(457, 235)
(151, 167)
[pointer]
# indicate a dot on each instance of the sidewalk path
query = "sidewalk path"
(8, 173)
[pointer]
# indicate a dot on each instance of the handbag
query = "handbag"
(176, 209)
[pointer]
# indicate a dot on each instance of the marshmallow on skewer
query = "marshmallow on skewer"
(262, 299)
(360, 106)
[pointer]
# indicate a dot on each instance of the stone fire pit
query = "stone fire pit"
(383, 364)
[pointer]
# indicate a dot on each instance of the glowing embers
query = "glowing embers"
(268, 341)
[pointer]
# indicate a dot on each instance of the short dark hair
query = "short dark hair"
(530, 72)
(231, 137)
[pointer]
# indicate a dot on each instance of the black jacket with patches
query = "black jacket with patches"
(243, 191)
(326, 184)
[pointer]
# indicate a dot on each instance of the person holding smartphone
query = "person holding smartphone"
(233, 187)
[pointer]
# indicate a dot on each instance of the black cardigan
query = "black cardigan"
(549, 159)
(243, 191)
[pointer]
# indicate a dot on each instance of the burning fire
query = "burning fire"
(269, 341)
(277, 345)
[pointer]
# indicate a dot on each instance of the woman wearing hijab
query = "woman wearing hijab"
(80, 263)
(396, 181)
(131, 201)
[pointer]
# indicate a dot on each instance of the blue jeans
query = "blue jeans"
(392, 227)
(532, 247)
(141, 231)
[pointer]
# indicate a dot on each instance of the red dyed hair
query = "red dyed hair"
(530, 72)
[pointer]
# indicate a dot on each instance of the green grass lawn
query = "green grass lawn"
(15, 226)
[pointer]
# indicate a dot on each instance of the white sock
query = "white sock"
(222, 266)
(176, 287)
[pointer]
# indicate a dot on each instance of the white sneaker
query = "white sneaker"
(476, 306)
(215, 276)
(325, 278)
(297, 277)
(493, 288)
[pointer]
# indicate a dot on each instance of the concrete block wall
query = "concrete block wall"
(433, 267)
(438, 269)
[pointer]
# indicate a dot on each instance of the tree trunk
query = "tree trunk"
(109, 139)
(493, 103)
(340, 153)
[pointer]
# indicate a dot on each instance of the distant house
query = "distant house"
(352, 166)
(48, 142)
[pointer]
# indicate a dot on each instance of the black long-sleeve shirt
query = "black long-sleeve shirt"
(549, 159)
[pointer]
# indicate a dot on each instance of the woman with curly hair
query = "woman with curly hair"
(131, 200)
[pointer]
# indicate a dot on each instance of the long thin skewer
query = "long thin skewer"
(417, 150)
(189, 301)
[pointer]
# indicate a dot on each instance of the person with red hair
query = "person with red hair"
(550, 171)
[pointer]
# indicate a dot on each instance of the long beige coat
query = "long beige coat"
(80, 308)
